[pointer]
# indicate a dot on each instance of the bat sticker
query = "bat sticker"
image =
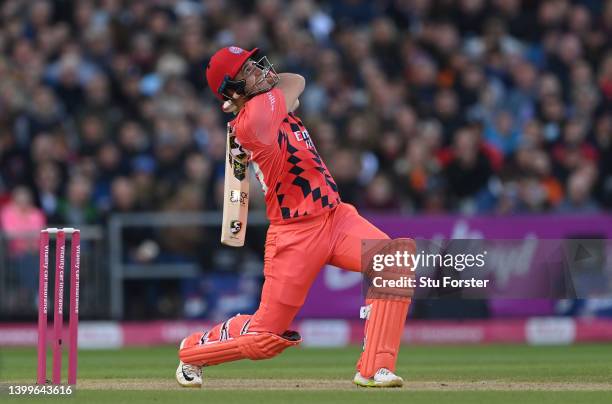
(235, 226)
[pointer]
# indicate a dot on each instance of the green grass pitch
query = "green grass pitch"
(435, 374)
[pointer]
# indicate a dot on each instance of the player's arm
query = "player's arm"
(292, 85)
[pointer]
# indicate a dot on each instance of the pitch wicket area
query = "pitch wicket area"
(457, 374)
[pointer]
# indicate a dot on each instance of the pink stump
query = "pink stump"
(58, 313)
(43, 291)
(75, 257)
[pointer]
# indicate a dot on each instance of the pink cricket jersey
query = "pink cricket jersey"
(294, 179)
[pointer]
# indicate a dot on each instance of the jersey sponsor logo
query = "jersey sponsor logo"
(303, 136)
(272, 100)
(235, 50)
(238, 196)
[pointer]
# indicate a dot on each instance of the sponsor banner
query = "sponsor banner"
(325, 333)
(100, 335)
(334, 333)
(160, 332)
(19, 334)
(419, 334)
(330, 298)
(487, 269)
(593, 330)
(496, 227)
(533, 331)
(550, 331)
(335, 294)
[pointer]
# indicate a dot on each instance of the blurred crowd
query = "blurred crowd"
(417, 106)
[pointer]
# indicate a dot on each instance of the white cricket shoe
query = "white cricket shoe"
(188, 375)
(382, 378)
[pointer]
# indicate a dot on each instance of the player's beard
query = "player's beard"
(266, 81)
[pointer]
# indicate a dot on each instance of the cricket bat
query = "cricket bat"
(235, 193)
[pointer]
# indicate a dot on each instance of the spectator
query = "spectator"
(417, 170)
(77, 209)
(603, 138)
(21, 221)
(502, 133)
(380, 195)
(107, 91)
(573, 151)
(48, 185)
(579, 192)
(345, 167)
(44, 114)
(469, 171)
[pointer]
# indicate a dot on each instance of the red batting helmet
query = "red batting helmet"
(223, 66)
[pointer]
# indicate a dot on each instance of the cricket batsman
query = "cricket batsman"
(309, 227)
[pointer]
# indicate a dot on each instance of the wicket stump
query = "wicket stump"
(58, 307)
